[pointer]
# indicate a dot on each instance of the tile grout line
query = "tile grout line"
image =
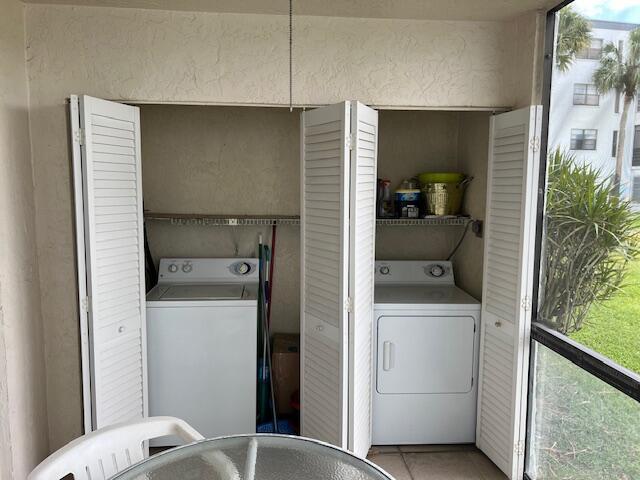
(406, 465)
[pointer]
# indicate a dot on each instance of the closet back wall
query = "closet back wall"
(231, 161)
(412, 142)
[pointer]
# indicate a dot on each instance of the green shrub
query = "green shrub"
(590, 236)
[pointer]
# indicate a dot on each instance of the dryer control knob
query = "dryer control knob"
(436, 271)
(187, 267)
(243, 268)
(173, 268)
(384, 270)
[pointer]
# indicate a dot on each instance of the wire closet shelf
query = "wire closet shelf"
(181, 219)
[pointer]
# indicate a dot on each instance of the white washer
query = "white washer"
(426, 356)
(202, 344)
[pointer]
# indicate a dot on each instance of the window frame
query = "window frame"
(588, 53)
(592, 362)
(582, 141)
(614, 143)
(586, 95)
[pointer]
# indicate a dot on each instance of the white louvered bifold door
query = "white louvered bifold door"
(364, 146)
(109, 141)
(324, 273)
(508, 281)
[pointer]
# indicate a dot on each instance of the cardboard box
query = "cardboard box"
(286, 370)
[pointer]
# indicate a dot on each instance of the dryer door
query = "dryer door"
(425, 354)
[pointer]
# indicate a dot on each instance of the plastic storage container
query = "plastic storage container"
(407, 199)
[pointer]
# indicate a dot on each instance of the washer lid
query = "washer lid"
(203, 292)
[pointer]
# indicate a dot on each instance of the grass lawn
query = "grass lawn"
(613, 327)
(583, 428)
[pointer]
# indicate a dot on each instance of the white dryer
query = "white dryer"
(202, 344)
(426, 355)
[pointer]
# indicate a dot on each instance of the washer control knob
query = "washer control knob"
(173, 268)
(243, 268)
(187, 267)
(384, 270)
(436, 271)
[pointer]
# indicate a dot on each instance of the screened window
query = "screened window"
(583, 139)
(593, 52)
(585, 94)
(581, 428)
(584, 410)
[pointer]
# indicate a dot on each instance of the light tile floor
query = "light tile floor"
(435, 462)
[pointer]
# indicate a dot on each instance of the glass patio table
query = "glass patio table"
(255, 457)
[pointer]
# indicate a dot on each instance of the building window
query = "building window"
(614, 143)
(593, 52)
(583, 139)
(635, 161)
(616, 105)
(635, 193)
(585, 94)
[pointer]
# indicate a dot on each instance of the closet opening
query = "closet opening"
(235, 268)
(217, 179)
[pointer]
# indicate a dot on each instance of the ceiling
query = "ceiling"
(409, 9)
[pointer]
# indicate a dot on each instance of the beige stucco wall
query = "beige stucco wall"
(526, 60)
(203, 57)
(412, 142)
(473, 150)
(158, 56)
(225, 160)
(23, 419)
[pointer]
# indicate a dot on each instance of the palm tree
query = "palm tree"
(574, 35)
(621, 74)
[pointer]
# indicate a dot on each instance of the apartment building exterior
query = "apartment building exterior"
(586, 122)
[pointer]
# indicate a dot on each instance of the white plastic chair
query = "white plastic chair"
(105, 452)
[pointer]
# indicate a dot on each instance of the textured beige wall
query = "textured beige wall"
(23, 419)
(473, 150)
(226, 160)
(525, 64)
(179, 57)
(412, 142)
(184, 57)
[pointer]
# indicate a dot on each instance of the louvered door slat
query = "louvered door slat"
(114, 255)
(324, 278)
(364, 124)
(508, 273)
(338, 233)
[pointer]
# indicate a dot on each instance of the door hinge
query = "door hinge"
(519, 448)
(351, 141)
(86, 304)
(526, 303)
(80, 136)
(348, 304)
(534, 144)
